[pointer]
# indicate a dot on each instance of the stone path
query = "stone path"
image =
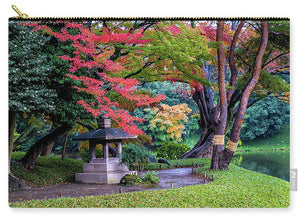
(178, 177)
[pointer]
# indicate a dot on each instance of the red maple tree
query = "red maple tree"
(99, 50)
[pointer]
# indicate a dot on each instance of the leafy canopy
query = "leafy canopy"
(93, 52)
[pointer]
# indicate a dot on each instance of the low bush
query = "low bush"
(171, 150)
(135, 157)
(131, 179)
(150, 177)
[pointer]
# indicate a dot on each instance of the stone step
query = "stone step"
(101, 178)
(102, 160)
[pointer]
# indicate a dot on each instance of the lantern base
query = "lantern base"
(103, 171)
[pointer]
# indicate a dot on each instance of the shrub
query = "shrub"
(171, 150)
(135, 157)
(150, 177)
(130, 179)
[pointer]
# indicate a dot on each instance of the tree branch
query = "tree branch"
(273, 59)
(140, 70)
(233, 69)
(89, 127)
(235, 133)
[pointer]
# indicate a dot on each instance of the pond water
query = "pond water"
(274, 163)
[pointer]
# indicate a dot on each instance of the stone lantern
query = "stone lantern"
(106, 170)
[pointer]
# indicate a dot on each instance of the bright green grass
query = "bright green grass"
(233, 188)
(279, 141)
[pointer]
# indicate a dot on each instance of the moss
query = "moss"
(48, 170)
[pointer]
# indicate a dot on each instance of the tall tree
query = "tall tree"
(186, 54)
(28, 69)
(238, 83)
(236, 129)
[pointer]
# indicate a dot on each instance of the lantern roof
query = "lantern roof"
(104, 134)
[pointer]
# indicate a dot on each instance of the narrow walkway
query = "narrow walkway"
(179, 177)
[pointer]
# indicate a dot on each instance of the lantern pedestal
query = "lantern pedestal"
(103, 171)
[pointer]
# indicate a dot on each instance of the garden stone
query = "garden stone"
(152, 159)
(164, 161)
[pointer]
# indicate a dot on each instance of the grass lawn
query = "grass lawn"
(234, 188)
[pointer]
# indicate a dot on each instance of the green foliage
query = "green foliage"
(85, 155)
(134, 156)
(265, 118)
(237, 160)
(267, 83)
(279, 36)
(232, 188)
(273, 83)
(37, 81)
(131, 179)
(185, 48)
(29, 71)
(48, 170)
(150, 177)
(171, 150)
(29, 129)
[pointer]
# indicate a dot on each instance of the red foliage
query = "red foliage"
(174, 29)
(89, 44)
(210, 32)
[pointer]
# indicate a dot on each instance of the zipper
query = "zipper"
(20, 14)
(23, 16)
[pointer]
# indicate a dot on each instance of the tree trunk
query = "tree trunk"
(63, 152)
(11, 131)
(35, 150)
(235, 133)
(202, 149)
(48, 149)
(218, 145)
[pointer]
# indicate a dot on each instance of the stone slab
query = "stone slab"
(101, 178)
